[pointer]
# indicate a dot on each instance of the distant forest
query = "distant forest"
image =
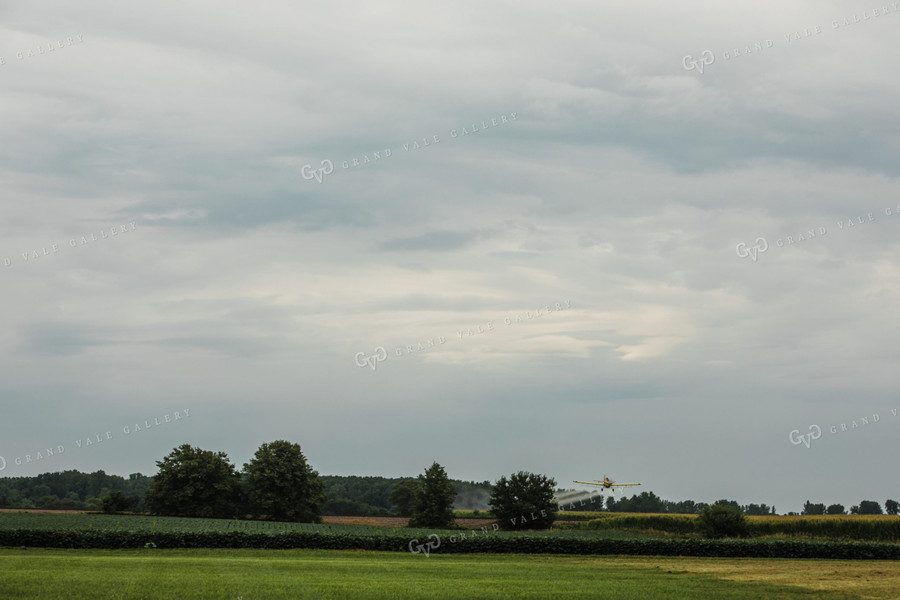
(73, 490)
(346, 495)
(359, 496)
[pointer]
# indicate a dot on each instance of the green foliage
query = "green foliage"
(722, 520)
(685, 507)
(646, 502)
(758, 509)
(831, 528)
(433, 506)
(200, 574)
(834, 528)
(346, 494)
(524, 501)
(403, 496)
(135, 531)
(70, 490)
(115, 501)
(282, 486)
(667, 523)
(835, 509)
(732, 503)
(519, 543)
(869, 507)
(195, 483)
(813, 509)
(370, 496)
(891, 507)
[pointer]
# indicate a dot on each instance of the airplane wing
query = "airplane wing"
(614, 484)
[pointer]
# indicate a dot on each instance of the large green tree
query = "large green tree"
(433, 506)
(870, 507)
(195, 483)
(813, 509)
(647, 502)
(758, 509)
(835, 509)
(524, 501)
(282, 486)
(403, 496)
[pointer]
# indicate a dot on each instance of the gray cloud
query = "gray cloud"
(624, 185)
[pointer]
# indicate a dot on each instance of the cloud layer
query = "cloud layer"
(595, 169)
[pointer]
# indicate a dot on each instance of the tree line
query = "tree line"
(70, 490)
(648, 502)
(278, 483)
(866, 507)
(345, 495)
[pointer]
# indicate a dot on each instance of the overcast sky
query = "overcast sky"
(296, 186)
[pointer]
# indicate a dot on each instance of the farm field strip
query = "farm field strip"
(870, 579)
(100, 531)
(277, 574)
(869, 528)
(101, 522)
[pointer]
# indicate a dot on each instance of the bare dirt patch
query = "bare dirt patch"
(43, 510)
(398, 521)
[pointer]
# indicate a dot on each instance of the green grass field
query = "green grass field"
(291, 574)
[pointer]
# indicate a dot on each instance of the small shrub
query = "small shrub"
(721, 520)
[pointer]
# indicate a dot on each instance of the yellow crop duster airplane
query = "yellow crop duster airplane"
(607, 482)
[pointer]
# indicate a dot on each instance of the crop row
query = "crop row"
(487, 544)
(101, 522)
(882, 530)
(887, 531)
